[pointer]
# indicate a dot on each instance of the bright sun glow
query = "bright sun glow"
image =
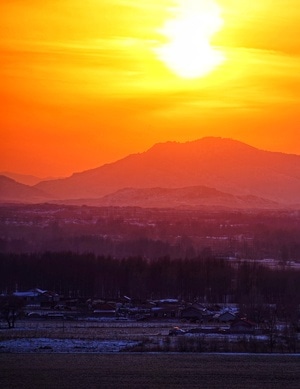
(188, 52)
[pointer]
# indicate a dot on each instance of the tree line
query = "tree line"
(201, 278)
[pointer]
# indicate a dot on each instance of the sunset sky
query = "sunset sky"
(85, 83)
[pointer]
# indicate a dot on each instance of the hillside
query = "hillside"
(189, 197)
(181, 198)
(26, 179)
(12, 191)
(227, 165)
(23, 178)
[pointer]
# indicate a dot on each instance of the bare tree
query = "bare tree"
(10, 308)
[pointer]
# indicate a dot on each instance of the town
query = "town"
(148, 275)
(152, 233)
(204, 326)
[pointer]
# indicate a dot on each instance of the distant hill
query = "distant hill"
(23, 178)
(12, 191)
(227, 165)
(180, 198)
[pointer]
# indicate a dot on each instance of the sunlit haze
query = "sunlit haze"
(188, 51)
(84, 83)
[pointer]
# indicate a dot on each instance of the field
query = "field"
(112, 335)
(127, 370)
(94, 354)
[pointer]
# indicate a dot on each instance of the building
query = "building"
(38, 297)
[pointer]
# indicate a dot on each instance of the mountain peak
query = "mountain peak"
(228, 165)
(211, 142)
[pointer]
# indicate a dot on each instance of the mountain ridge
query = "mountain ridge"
(195, 197)
(26, 179)
(13, 191)
(221, 164)
(225, 164)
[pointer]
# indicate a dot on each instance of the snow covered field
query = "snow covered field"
(113, 336)
(46, 345)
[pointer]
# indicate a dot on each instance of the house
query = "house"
(192, 314)
(225, 317)
(242, 326)
(166, 312)
(133, 308)
(165, 309)
(38, 297)
(107, 309)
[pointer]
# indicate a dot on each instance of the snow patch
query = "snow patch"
(47, 345)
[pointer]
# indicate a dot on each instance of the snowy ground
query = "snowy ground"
(46, 345)
(112, 336)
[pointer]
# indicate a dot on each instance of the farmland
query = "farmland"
(124, 370)
(113, 335)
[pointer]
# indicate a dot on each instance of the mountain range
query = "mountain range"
(13, 191)
(26, 179)
(209, 171)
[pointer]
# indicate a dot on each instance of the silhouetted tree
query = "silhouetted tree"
(10, 308)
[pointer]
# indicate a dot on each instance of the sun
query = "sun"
(188, 51)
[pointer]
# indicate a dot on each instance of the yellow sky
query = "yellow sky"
(82, 85)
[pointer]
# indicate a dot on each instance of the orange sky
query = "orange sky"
(82, 85)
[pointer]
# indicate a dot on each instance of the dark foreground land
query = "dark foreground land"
(124, 370)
